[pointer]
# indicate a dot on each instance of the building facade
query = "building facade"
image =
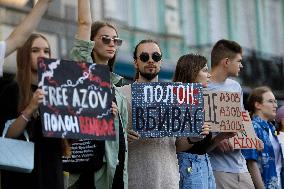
(180, 26)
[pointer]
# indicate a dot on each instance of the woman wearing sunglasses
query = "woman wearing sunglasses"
(98, 42)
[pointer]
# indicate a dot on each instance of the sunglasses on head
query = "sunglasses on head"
(144, 57)
(106, 40)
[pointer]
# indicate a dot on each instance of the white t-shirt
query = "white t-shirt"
(281, 141)
(278, 156)
(230, 162)
(2, 56)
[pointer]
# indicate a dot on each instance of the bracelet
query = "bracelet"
(191, 142)
(24, 117)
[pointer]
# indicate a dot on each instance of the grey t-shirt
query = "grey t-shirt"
(232, 162)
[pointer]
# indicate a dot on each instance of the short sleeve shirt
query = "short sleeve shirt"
(266, 157)
(231, 162)
(2, 56)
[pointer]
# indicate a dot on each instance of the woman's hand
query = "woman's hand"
(114, 109)
(260, 145)
(37, 98)
(206, 128)
(19, 125)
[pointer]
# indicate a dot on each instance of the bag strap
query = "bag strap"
(8, 125)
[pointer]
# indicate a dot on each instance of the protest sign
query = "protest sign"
(223, 110)
(87, 155)
(77, 102)
(167, 109)
(246, 137)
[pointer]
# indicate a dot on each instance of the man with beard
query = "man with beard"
(147, 66)
(152, 162)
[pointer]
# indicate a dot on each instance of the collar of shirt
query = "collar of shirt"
(264, 124)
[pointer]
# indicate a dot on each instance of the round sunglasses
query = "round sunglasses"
(107, 39)
(144, 56)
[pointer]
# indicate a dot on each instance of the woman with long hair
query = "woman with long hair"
(194, 164)
(98, 42)
(47, 172)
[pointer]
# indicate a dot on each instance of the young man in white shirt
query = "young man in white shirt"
(229, 165)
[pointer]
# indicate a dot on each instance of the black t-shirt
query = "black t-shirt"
(201, 146)
(47, 172)
(8, 102)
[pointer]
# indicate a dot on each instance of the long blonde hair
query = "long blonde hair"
(24, 72)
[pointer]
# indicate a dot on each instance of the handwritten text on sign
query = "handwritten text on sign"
(223, 110)
(77, 101)
(167, 109)
(246, 137)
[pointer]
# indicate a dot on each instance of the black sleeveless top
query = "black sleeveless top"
(47, 172)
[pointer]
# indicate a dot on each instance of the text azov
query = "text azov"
(57, 96)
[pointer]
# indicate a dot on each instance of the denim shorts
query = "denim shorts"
(195, 171)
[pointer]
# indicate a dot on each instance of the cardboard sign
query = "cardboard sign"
(223, 111)
(77, 101)
(246, 137)
(167, 109)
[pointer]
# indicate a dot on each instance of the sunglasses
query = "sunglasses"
(144, 57)
(106, 40)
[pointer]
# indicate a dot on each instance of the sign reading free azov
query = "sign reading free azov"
(167, 109)
(77, 101)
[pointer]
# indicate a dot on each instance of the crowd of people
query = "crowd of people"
(131, 161)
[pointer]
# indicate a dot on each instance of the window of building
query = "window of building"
(116, 10)
(146, 15)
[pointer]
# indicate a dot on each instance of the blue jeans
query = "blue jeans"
(195, 171)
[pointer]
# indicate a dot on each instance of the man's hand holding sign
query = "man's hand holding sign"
(167, 109)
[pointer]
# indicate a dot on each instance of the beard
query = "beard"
(148, 76)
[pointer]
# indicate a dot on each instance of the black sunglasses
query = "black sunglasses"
(106, 40)
(144, 57)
